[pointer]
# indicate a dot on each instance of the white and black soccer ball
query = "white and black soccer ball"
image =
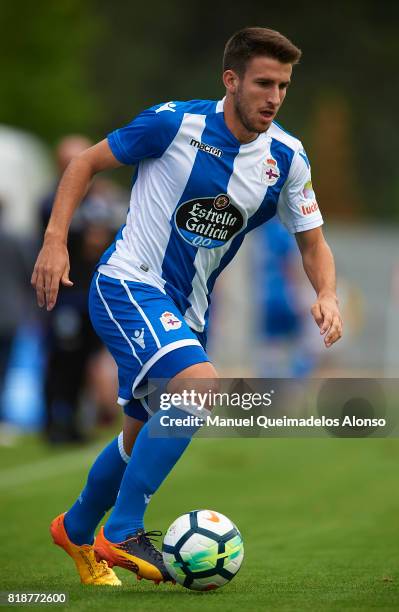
(203, 550)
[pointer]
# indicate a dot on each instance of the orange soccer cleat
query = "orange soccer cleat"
(90, 570)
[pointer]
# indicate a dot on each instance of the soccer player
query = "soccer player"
(287, 343)
(208, 172)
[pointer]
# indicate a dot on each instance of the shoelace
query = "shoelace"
(147, 537)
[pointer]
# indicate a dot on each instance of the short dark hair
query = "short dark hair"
(252, 42)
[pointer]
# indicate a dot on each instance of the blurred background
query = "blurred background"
(74, 70)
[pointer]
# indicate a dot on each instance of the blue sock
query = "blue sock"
(151, 461)
(99, 494)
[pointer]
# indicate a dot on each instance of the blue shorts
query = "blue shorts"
(146, 334)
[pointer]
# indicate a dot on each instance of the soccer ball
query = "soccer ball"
(202, 550)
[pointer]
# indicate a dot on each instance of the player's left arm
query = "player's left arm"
(318, 263)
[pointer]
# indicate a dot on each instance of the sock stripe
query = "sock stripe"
(122, 451)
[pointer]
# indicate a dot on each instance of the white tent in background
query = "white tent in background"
(26, 174)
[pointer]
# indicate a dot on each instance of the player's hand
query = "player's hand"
(326, 313)
(51, 269)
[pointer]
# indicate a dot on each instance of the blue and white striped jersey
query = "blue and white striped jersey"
(197, 192)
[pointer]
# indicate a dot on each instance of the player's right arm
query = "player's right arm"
(147, 136)
(52, 264)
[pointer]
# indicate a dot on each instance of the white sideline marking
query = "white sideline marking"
(51, 467)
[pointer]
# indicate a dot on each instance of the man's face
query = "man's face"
(260, 92)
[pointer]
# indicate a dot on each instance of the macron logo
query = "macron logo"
(169, 106)
(138, 337)
(202, 146)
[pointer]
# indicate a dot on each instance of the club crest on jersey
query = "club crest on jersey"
(270, 172)
(208, 222)
(170, 321)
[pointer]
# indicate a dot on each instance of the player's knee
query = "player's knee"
(199, 376)
(131, 429)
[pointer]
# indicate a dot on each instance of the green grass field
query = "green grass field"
(319, 518)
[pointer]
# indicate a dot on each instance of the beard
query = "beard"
(241, 109)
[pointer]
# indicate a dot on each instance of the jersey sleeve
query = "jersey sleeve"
(148, 135)
(297, 206)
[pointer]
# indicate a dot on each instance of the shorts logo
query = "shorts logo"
(170, 321)
(208, 222)
(270, 172)
(138, 337)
